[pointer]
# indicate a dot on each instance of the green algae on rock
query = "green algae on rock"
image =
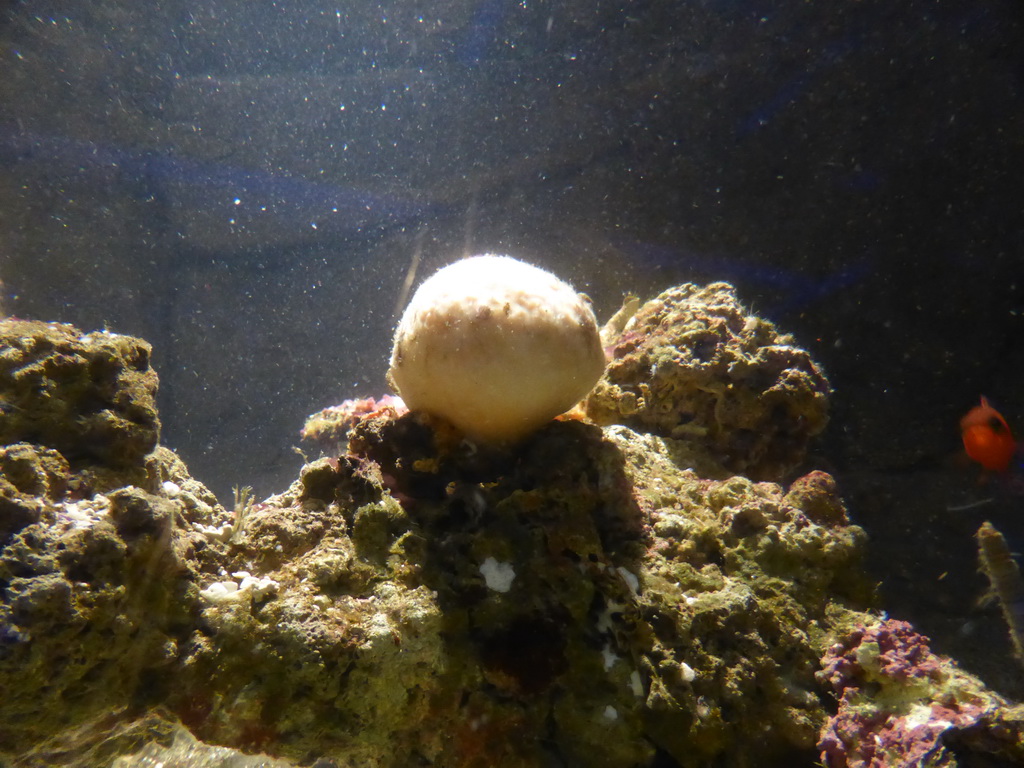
(94, 543)
(650, 611)
(89, 396)
(694, 364)
(593, 596)
(98, 595)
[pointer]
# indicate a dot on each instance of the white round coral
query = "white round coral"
(496, 347)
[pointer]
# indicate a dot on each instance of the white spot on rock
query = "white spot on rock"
(246, 587)
(635, 684)
(498, 575)
(609, 657)
(631, 580)
(220, 592)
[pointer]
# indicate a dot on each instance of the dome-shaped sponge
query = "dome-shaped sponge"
(497, 347)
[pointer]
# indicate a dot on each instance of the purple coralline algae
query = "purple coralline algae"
(693, 364)
(328, 428)
(902, 706)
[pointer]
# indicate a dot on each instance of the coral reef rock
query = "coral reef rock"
(89, 396)
(693, 364)
(96, 544)
(902, 705)
(327, 429)
(598, 597)
(583, 599)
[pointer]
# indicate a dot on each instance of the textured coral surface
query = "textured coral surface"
(89, 396)
(694, 364)
(902, 705)
(598, 597)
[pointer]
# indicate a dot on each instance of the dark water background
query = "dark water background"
(245, 183)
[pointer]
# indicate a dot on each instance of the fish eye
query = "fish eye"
(995, 424)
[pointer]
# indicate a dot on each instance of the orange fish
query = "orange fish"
(987, 437)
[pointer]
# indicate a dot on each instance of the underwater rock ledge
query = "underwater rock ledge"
(596, 596)
(694, 364)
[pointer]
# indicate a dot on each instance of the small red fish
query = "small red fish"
(987, 437)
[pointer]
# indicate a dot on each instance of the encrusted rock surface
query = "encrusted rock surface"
(327, 429)
(596, 597)
(584, 599)
(89, 396)
(694, 364)
(902, 705)
(98, 592)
